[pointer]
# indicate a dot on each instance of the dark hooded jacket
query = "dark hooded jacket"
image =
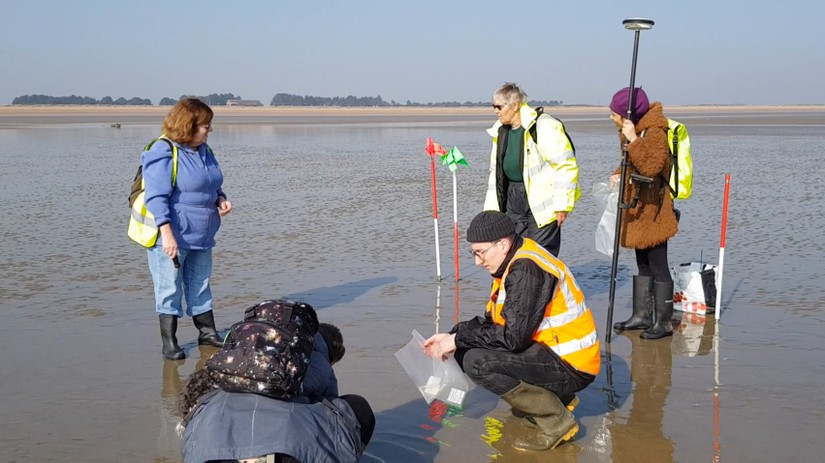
(237, 425)
(320, 380)
(529, 288)
(652, 221)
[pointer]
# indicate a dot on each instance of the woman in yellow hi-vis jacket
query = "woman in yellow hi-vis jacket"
(534, 176)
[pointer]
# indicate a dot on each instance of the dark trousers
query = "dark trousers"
(653, 262)
(548, 236)
(364, 413)
(501, 371)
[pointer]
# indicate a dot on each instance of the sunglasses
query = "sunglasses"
(498, 107)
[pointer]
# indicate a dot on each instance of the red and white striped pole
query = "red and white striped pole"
(722, 249)
(435, 221)
(432, 149)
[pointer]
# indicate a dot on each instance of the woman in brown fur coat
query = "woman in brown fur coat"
(651, 220)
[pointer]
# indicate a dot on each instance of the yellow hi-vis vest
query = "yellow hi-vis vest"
(142, 227)
(568, 328)
(681, 171)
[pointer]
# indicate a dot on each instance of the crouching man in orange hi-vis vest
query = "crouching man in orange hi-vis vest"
(536, 345)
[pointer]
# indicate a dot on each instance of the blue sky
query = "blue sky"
(699, 52)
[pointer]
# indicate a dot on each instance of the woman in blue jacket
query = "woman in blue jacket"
(188, 214)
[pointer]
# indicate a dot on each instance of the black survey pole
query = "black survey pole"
(637, 25)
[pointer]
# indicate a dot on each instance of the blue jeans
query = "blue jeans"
(191, 279)
(501, 371)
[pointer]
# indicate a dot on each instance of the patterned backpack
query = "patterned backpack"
(267, 353)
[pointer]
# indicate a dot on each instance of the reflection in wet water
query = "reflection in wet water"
(638, 435)
(168, 442)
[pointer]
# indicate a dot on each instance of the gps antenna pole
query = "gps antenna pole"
(637, 25)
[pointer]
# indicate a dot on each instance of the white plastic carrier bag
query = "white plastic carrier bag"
(694, 287)
(435, 379)
(608, 199)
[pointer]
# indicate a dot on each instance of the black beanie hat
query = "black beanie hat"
(490, 226)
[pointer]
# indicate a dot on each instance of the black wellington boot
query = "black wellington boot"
(663, 290)
(205, 323)
(642, 317)
(168, 327)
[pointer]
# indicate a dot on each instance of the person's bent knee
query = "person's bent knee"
(364, 415)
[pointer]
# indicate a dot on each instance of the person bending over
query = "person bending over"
(315, 426)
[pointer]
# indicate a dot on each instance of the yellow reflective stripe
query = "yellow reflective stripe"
(575, 345)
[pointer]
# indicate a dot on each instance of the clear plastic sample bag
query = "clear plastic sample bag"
(435, 379)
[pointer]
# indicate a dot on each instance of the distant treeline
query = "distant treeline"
(213, 99)
(286, 99)
(280, 99)
(74, 99)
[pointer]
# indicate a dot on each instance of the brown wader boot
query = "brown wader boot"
(554, 422)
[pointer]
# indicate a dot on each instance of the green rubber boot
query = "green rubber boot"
(554, 422)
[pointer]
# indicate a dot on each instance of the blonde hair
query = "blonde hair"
(509, 94)
(181, 124)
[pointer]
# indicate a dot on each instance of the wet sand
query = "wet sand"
(11, 116)
(333, 207)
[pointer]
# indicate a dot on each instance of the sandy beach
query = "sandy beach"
(11, 116)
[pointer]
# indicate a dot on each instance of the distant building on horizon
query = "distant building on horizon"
(237, 102)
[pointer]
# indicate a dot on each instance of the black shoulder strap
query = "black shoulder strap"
(674, 159)
(168, 141)
(674, 162)
(534, 129)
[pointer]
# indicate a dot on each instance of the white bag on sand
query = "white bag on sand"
(608, 199)
(694, 287)
(434, 378)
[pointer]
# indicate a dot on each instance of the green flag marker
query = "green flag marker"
(453, 158)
